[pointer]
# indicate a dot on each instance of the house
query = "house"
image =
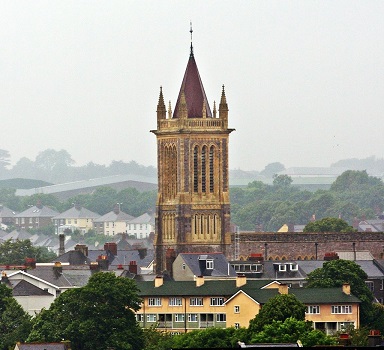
(142, 226)
(75, 218)
(15, 235)
(374, 225)
(7, 216)
(112, 223)
(181, 306)
(187, 266)
(35, 217)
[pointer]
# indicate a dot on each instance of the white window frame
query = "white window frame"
(154, 301)
(237, 325)
(282, 268)
(370, 285)
(139, 317)
(221, 317)
(179, 317)
(209, 264)
(236, 309)
(313, 309)
(341, 309)
(151, 318)
(175, 301)
(381, 284)
(196, 301)
(193, 318)
(217, 301)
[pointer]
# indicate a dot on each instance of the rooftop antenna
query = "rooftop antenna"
(191, 31)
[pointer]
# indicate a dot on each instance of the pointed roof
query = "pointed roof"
(193, 89)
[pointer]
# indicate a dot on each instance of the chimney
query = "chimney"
(103, 262)
(39, 204)
(61, 244)
(313, 218)
(241, 280)
(82, 248)
(159, 281)
(4, 278)
(77, 206)
(346, 288)
(283, 288)
(111, 247)
(57, 269)
(116, 209)
(30, 262)
(331, 256)
(355, 222)
(132, 268)
(142, 253)
(199, 281)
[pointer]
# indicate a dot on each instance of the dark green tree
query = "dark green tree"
(279, 308)
(272, 169)
(329, 225)
(282, 181)
(337, 272)
(15, 323)
(97, 316)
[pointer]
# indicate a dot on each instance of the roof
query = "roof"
(143, 219)
(38, 212)
(323, 295)
(77, 212)
(6, 212)
(24, 288)
(41, 346)
(197, 264)
(17, 234)
(193, 89)
(114, 216)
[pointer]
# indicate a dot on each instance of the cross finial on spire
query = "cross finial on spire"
(191, 31)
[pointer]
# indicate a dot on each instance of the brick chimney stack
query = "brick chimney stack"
(61, 244)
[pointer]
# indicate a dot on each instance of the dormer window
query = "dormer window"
(209, 264)
(294, 267)
(282, 268)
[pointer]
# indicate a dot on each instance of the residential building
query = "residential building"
(182, 306)
(112, 223)
(142, 226)
(7, 216)
(75, 218)
(35, 217)
(193, 209)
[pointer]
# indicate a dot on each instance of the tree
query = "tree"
(337, 272)
(272, 169)
(328, 225)
(290, 331)
(15, 323)
(352, 180)
(279, 308)
(99, 315)
(282, 181)
(4, 161)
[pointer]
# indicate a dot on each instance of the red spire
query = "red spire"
(194, 92)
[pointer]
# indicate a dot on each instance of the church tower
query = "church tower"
(192, 209)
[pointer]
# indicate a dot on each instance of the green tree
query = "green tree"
(97, 316)
(15, 323)
(292, 330)
(337, 272)
(282, 181)
(272, 169)
(329, 225)
(354, 180)
(279, 308)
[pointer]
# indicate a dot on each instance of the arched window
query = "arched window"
(195, 169)
(203, 169)
(211, 169)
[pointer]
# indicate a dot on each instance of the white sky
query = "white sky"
(304, 79)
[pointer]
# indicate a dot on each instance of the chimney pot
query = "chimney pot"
(159, 281)
(199, 281)
(283, 288)
(241, 280)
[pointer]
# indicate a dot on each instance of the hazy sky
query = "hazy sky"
(304, 79)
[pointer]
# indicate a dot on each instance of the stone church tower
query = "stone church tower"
(192, 210)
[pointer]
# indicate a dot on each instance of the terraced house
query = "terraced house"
(182, 306)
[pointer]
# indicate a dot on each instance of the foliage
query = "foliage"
(209, 338)
(15, 323)
(279, 308)
(156, 340)
(282, 181)
(337, 272)
(352, 180)
(272, 169)
(357, 337)
(328, 225)
(290, 331)
(96, 316)
(14, 253)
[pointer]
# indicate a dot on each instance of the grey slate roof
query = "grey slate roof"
(17, 234)
(41, 346)
(143, 219)
(38, 212)
(197, 263)
(77, 212)
(112, 216)
(24, 288)
(6, 212)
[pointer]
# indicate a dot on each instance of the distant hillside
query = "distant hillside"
(23, 183)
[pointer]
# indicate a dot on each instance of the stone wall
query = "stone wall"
(300, 246)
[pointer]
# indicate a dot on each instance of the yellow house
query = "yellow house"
(112, 223)
(75, 218)
(181, 306)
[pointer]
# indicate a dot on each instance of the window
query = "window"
(183, 266)
(179, 318)
(22, 220)
(75, 221)
(381, 283)
(237, 325)
(175, 302)
(211, 170)
(236, 309)
(36, 220)
(17, 221)
(195, 170)
(217, 301)
(282, 268)
(107, 224)
(192, 317)
(69, 221)
(196, 301)
(370, 285)
(154, 301)
(203, 169)
(30, 220)
(209, 264)
(313, 309)
(151, 318)
(139, 317)
(221, 317)
(341, 309)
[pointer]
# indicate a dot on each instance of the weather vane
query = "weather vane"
(191, 31)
